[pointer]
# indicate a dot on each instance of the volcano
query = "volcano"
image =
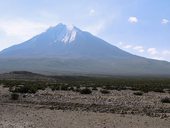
(65, 49)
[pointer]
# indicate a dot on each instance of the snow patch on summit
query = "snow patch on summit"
(69, 27)
(66, 34)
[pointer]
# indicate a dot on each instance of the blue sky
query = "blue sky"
(141, 27)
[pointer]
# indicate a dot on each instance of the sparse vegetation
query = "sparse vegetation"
(94, 88)
(14, 96)
(138, 93)
(85, 91)
(100, 87)
(66, 83)
(161, 90)
(25, 89)
(104, 91)
(165, 100)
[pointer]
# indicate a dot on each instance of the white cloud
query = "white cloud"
(158, 58)
(139, 48)
(22, 28)
(146, 52)
(18, 30)
(127, 46)
(159, 55)
(165, 21)
(92, 12)
(133, 19)
(166, 53)
(152, 51)
(120, 43)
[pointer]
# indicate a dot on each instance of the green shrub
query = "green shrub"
(85, 91)
(94, 88)
(161, 90)
(64, 87)
(53, 88)
(138, 93)
(165, 100)
(104, 91)
(25, 89)
(71, 88)
(14, 96)
(77, 90)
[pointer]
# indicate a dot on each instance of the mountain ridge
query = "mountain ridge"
(61, 40)
(67, 49)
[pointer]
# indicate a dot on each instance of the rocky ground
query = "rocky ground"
(15, 116)
(67, 109)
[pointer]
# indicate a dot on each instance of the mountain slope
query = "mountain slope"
(64, 41)
(68, 50)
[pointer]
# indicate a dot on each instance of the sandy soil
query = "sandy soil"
(15, 116)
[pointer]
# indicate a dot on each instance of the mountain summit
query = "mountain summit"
(65, 49)
(64, 41)
(64, 33)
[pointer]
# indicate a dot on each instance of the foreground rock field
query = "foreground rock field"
(68, 109)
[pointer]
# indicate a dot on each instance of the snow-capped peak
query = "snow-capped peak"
(70, 34)
(65, 33)
(70, 27)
